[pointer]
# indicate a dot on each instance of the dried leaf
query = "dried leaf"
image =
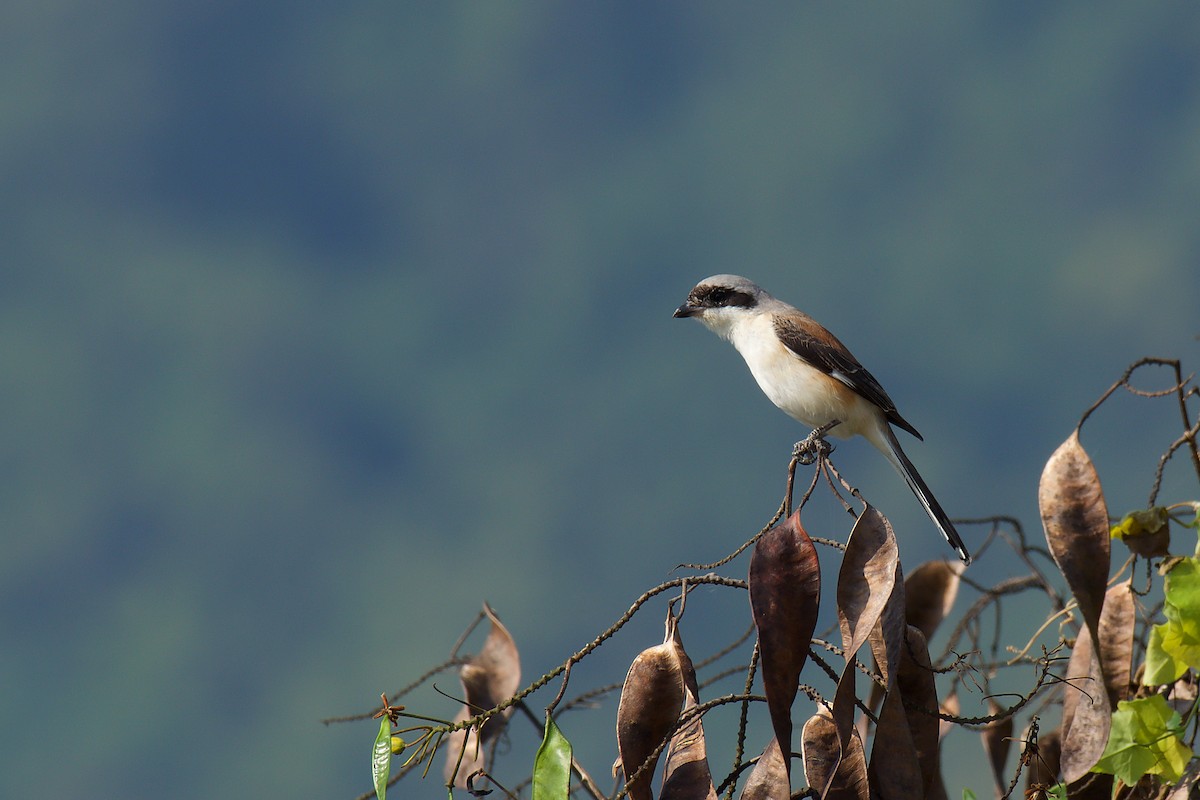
(866, 578)
(895, 768)
(888, 636)
(686, 775)
(769, 779)
(651, 701)
(1076, 522)
(493, 675)
(820, 749)
(489, 678)
(997, 740)
(915, 682)
(896, 771)
(866, 582)
(846, 777)
(1075, 519)
(1078, 683)
(785, 593)
(929, 593)
(1087, 715)
(1146, 532)
(1116, 640)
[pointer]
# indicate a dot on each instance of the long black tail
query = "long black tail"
(932, 508)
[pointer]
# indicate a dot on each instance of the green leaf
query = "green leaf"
(1175, 645)
(381, 758)
(552, 765)
(1161, 666)
(1144, 740)
(1182, 588)
(968, 794)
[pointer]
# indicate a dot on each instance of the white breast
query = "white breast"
(801, 391)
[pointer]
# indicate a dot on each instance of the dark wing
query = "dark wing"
(810, 341)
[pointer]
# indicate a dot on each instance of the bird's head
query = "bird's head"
(721, 301)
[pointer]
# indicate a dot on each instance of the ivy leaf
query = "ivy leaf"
(1161, 667)
(552, 765)
(1144, 740)
(1175, 645)
(381, 758)
(1182, 588)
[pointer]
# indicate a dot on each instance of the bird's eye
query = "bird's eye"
(718, 297)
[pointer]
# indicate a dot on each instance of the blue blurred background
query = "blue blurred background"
(322, 323)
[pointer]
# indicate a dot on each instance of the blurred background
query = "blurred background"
(323, 323)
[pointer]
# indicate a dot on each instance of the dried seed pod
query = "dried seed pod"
(651, 701)
(929, 593)
(1075, 518)
(686, 775)
(489, 678)
(785, 594)
(1087, 715)
(824, 765)
(867, 582)
(769, 779)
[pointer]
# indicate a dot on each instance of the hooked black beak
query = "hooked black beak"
(686, 311)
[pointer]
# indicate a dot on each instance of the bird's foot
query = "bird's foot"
(814, 446)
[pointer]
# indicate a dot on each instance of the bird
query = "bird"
(811, 376)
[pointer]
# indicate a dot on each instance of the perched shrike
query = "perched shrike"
(810, 375)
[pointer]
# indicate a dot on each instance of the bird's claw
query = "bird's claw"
(814, 446)
(811, 448)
